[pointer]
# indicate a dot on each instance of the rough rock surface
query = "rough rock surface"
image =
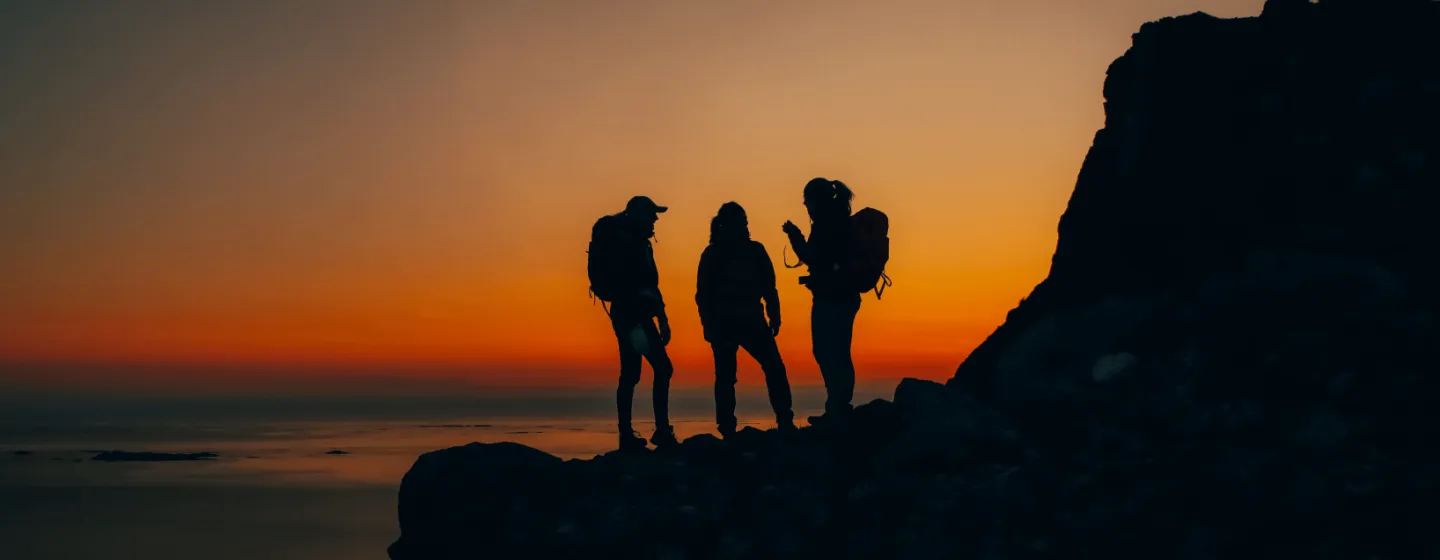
(1231, 357)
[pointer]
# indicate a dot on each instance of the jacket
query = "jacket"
(733, 281)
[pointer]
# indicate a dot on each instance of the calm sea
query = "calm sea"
(275, 491)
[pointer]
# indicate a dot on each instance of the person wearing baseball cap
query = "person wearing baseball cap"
(623, 272)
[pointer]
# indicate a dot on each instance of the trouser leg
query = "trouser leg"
(725, 368)
(832, 327)
(777, 385)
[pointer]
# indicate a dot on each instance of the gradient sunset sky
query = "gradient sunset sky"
(349, 186)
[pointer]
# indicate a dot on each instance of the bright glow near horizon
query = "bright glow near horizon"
(413, 183)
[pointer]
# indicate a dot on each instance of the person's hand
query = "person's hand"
(664, 330)
(791, 229)
(775, 326)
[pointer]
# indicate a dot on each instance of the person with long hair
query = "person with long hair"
(736, 277)
(835, 301)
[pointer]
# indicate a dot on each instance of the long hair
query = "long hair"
(729, 224)
(832, 196)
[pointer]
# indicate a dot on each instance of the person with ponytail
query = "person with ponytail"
(736, 276)
(835, 301)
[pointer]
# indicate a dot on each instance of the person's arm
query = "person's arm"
(771, 296)
(797, 242)
(659, 302)
(705, 284)
(664, 324)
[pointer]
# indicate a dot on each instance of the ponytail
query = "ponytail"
(843, 196)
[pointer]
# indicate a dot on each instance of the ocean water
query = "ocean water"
(274, 491)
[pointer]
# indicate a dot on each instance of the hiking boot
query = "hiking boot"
(829, 419)
(630, 440)
(664, 437)
(727, 432)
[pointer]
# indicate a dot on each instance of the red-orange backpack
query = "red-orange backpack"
(872, 251)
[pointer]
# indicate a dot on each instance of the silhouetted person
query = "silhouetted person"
(736, 275)
(835, 299)
(623, 272)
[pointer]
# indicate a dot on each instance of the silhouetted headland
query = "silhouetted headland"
(151, 456)
(1232, 356)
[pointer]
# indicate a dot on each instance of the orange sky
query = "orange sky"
(412, 183)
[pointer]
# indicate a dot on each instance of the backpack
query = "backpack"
(871, 252)
(600, 260)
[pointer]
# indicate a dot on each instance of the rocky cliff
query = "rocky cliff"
(1233, 354)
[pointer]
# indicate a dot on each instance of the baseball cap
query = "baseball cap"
(644, 204)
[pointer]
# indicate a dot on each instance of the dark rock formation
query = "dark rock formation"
(1231, 356)
(152, 456)
(838, 493)
(1254, 176)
